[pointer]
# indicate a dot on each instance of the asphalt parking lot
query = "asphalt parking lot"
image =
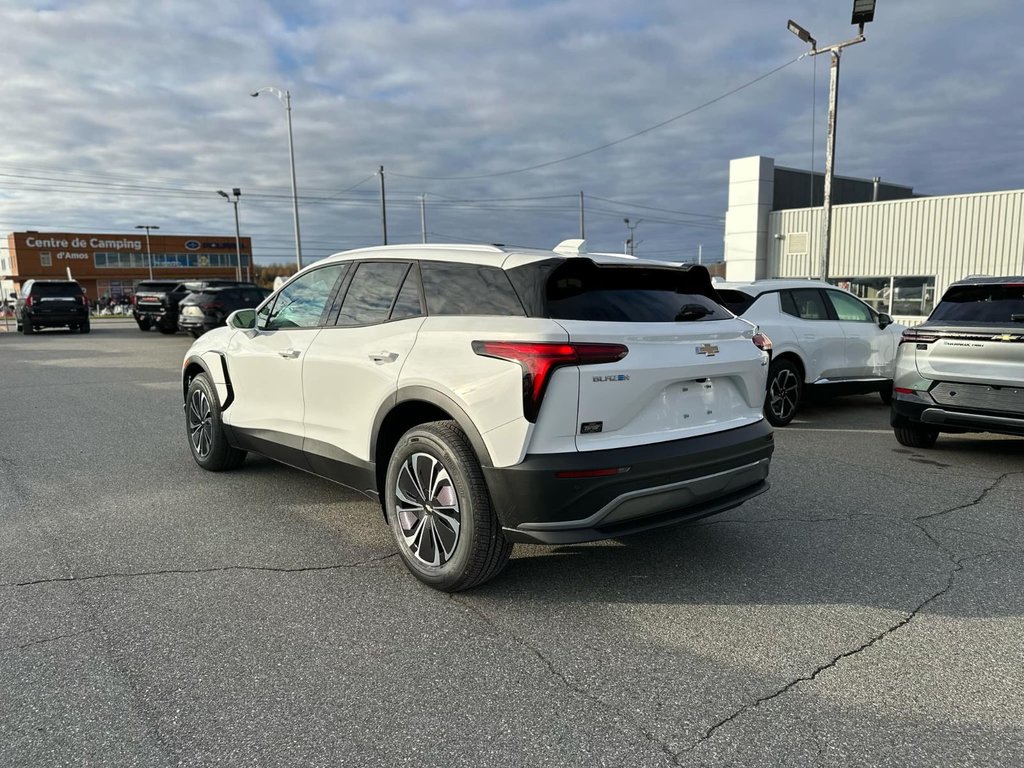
(867, 610)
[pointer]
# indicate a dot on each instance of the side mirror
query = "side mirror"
(242, 318)
(884, 320)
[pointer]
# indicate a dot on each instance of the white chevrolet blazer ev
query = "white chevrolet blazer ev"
(488, 395)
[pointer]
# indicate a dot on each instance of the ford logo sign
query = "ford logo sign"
(192, 245)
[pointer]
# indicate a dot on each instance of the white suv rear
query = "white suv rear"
(488, 395)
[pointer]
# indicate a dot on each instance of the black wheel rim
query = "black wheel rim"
(783, 394)
(427, 510)
(200, 423)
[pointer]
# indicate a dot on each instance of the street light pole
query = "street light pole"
(632, 235)
(238, 236)
(863, 12)
(149, 252)
(286, 98)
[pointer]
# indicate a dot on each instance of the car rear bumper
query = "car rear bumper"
(944, 418)
(654, 485)
(66, 317)
(196, 323)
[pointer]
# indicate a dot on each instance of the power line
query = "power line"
(592, 150)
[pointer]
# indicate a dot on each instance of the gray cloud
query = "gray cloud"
(137, 112)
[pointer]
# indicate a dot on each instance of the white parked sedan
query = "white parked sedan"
(822, 336)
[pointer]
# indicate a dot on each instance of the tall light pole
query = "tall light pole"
(238, 236)
(863, 12)
(149, 252)
(286, 98)
(632, 235)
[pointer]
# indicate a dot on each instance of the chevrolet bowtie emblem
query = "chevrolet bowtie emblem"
(1005, 337)
(707, 349)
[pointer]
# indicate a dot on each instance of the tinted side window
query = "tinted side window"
(736, 302)
(408, 302)
(372, 292)
(849, 308)
(809, 304)
(468, 289)
(788, 304)
(301, 303)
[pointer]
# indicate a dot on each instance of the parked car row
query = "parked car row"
(195, 306)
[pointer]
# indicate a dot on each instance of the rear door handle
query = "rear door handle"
(289, 353)
(383, 357)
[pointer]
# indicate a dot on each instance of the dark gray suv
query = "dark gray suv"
(962, 370)
(51, 304)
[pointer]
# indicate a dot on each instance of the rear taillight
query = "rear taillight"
(914, 336)
(212, 306)
(135, 300)
(762, 342)
(541, 359)
(28, 301)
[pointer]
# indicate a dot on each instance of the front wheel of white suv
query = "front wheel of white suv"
(439, 510)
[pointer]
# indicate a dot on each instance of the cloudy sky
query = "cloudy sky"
(119, 113)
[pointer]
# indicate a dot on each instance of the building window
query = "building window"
(914, 296)
(45, 259)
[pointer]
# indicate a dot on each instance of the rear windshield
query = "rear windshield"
(42, 290)
(999, 304)
(584, 291)
(154, 286)
(736, 302)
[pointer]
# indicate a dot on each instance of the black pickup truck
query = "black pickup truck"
(156, 301)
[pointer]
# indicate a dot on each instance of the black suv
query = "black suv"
(156, 301)
(51, 304)
(207, 309)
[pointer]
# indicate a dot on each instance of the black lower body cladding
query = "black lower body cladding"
(547, 498)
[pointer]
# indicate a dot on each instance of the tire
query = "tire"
(196, 334)
(785, 392)
(916, 437)
(167, 330)
(205, 430)
(438, 455)
(26, 327)
(84, 327)
(144, 325)
(886, 393)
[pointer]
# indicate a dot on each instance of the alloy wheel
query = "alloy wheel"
(200, 423)
(783, 394)
(427, 507)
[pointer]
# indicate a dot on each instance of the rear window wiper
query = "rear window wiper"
(692, 312)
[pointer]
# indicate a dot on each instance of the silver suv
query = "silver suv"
(962, 370)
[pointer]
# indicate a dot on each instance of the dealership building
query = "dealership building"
(111, 265)
(896, 249)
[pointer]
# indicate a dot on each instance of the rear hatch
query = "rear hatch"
(691, 368)
(194, 305)
(149, 297)
(58, 300)
(975, 334)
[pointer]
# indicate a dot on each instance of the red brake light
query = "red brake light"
(914, 336)
(540, 359)
(762, 342)
(28, 300)
(213, 305)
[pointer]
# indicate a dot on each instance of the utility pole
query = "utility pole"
(383, 207)
(149, 252)
(423, 216)
(700, 253)
(238, 236)
(632, 235)
(863, 12)
(583, 235)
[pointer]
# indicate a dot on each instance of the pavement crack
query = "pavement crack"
(190, 571)
(568, 684)
(981, 497)
(710, 732)
(44, 640)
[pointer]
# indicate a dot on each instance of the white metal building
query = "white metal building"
(898, 255)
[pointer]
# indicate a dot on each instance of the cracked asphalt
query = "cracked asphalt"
(868, 610)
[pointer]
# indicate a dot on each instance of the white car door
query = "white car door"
(265, 363)
(870, 350)
(352, 366)
(821, 338)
